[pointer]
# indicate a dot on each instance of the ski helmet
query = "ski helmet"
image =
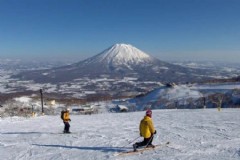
(149, 113)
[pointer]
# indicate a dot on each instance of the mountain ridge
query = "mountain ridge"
(118, 61)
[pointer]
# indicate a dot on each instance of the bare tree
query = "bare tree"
(217, 99)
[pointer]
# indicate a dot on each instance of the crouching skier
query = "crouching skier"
(147, 130)
(66, 119)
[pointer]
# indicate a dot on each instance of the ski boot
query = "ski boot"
(66, 131)
(134, 147)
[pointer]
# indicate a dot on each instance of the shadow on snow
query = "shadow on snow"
(103, 149)
(27, 133)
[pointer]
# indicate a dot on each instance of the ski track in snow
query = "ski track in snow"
(193, 134)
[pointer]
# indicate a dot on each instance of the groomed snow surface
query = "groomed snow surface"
(205, 134)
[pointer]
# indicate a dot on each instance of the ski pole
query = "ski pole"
(237, 152)
(131, 141)
(149, 141)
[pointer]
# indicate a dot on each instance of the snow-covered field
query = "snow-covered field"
(193, 134)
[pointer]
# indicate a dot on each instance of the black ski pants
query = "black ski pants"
(146, 141)
(66, 126)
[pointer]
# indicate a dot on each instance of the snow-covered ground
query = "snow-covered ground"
(193, 134)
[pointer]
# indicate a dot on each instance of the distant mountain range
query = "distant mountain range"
(118, 61)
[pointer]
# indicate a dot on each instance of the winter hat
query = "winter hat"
(149, 113)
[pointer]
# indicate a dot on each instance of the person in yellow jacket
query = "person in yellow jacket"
(147, 130)
(66, 119)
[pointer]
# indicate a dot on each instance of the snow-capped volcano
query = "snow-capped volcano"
(123, 53)
(118, 61)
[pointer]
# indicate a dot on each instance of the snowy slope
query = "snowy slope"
(193, 134)
(180, 93)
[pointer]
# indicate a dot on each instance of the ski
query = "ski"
(141, 150)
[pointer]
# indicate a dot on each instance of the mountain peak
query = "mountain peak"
(123, 53)
(122, 45)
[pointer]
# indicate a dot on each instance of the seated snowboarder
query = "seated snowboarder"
(66, 119)
(147, 130)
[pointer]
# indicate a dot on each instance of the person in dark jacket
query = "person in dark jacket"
(147, 131)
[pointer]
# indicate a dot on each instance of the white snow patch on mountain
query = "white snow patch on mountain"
(123, 54)
(170, 93)
(179, 92)
(23, 99)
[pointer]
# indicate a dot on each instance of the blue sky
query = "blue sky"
(78, 29)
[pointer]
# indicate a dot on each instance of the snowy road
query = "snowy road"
(194, 135)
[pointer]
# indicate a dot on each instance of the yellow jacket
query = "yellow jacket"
(66, 117)
(146, 127)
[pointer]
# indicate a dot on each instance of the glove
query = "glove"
(155, 132)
